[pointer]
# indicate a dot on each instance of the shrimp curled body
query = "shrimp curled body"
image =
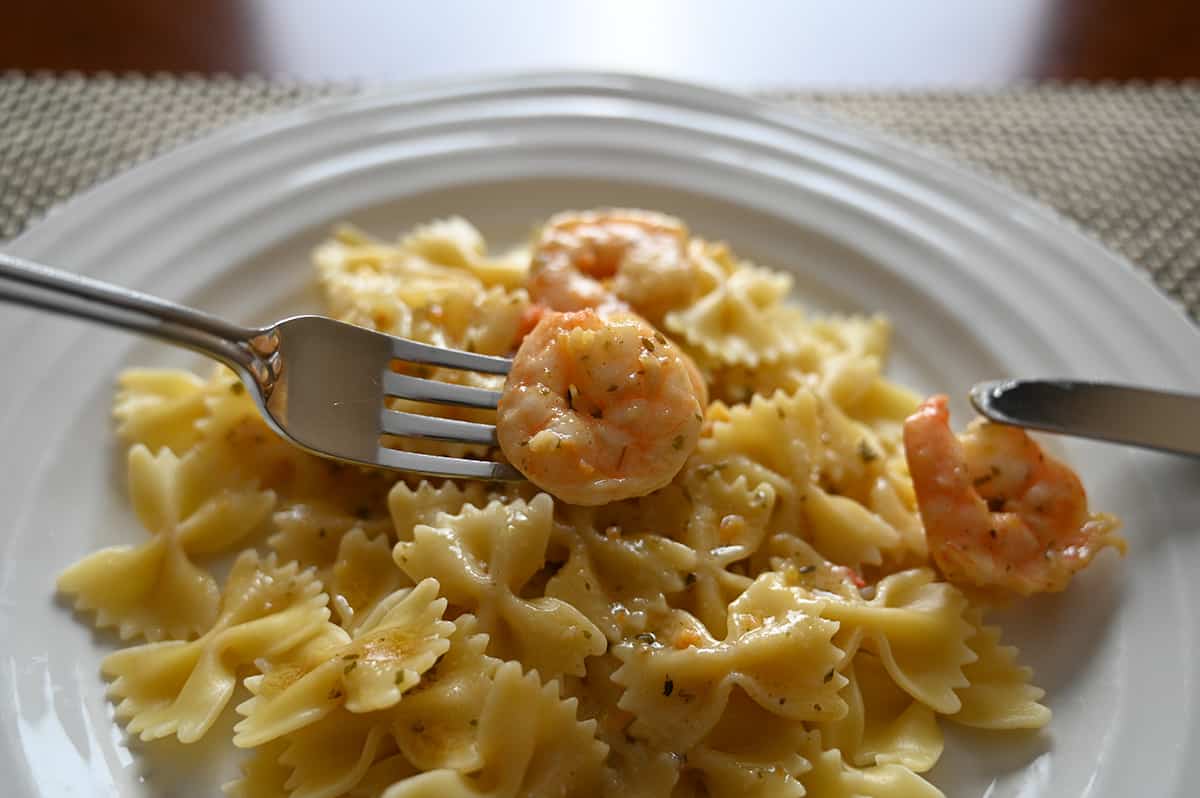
(998, 511)
(599, 408)
(613, 260)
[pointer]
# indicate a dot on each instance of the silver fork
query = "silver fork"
(319, 383)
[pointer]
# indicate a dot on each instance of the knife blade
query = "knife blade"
(1162, 420)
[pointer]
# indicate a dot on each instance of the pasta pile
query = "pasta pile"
(767, 625)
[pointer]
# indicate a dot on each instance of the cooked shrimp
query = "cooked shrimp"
(613, 260)
(998, 511)
(599, 408)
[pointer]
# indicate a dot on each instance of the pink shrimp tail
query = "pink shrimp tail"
(928, 440)
(934, 409)
(929, 447)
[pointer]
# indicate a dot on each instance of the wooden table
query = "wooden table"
(739, 44)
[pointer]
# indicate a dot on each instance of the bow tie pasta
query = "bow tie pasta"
(735, 597)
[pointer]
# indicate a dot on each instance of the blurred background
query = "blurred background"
(1090, 106)
(760, 44)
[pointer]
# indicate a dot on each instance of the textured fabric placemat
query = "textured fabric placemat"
(1121, 161)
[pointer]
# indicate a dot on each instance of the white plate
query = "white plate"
(979, 283)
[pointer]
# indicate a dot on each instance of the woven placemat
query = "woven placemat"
(1121, 161)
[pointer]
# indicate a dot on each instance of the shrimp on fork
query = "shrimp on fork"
(614, 261)
(599, 408)
(998, 511)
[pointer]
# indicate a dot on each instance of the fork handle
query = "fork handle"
(31, 284)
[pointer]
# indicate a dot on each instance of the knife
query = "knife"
(1169, 422)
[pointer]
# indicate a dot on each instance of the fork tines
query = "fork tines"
(438, 392)
(415, 425)
(439, 466)
(416, 352)
(403, 386)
